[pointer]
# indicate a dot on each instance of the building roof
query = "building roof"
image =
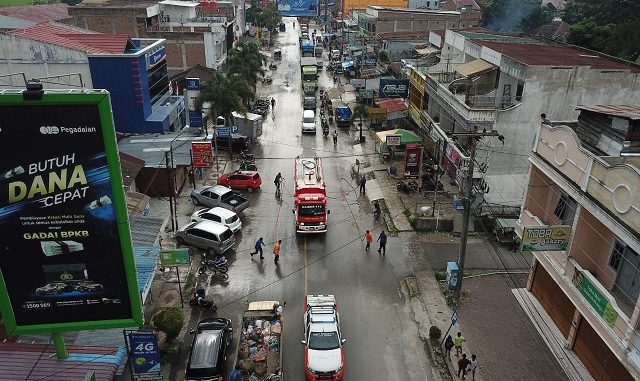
(541, 54)
(475, 68)
(469, 4)
(553, 30)
(117, 4)
(152, 147)
(8, 23)
(557, 4)
(631, 112)
(412, 11)
(38, 13)
(407, 35)
(392, 105)
(75, 38)
(130, 167)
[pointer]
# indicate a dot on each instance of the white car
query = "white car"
(220, 215)
(324, 358)
(308, 121)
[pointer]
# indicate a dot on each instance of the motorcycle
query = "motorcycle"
(407, 186)
(376, 211)
(248, 166)
(325, 130)
(217, 265)
(198, 299)
(247, 157)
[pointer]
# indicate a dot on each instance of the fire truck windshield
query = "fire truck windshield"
(311, 210)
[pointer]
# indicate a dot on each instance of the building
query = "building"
(30, 15)
(195, 32)
(486, 80)
(459, 5)
(379, 19)
(586, 175)
(422, 4)
(351, 5)
(134, 71)
(399, 45)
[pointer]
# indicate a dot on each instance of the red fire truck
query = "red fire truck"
(310, 206)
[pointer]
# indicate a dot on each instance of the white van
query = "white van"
(308, 121)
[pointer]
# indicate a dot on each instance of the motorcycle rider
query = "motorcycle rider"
(376, 211)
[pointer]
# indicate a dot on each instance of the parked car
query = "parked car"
(218, 215)
(249, 180)
(87, 286)
(211, 341)
(210, 236)
(219, 195)
(308, 121)
(53, 288)
(324, 357)
(309, 103)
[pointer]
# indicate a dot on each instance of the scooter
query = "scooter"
(218, 265)
(198, 299)
(325, 130)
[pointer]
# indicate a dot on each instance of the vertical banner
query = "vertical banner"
(412, 159)
(202, 156)
(144, 355)
(193, 90)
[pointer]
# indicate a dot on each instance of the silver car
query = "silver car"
(213, 237)
(220, 215)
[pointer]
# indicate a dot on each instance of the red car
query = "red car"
(249, 180)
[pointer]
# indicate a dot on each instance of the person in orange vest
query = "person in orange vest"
(369, 238)
(276, 251)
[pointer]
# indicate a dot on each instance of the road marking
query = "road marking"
(304, 251)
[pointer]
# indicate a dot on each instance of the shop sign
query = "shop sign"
(358, 83)
(545, 238)
(412, 159)
(144, 355)
(595, 298)
(175, 257)
(377, 113)
(394, 88)
(193, 90)
(201, 154)
(393, 140)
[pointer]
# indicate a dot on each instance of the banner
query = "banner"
(201, 154)
(545, 238)
(594, 297)
(393, 140)
(393, 88)
(412, 160)
(175, 257)
(304, 8)
(144, 355)
(193, 90)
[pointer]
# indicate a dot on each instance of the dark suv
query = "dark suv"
(211, 340)
(309, 103)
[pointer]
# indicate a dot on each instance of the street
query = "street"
(376, 320)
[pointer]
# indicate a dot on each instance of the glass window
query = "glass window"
(232, 219)
(565, 209)
(311, 210)
(212, 217)
(158, 82)
(616, 255)
(323, 340)
(226, 235)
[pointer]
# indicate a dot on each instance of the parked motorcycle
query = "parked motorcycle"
(247, 157)
(248, 166)
(217, 265)
(407, 186)
(198, 299)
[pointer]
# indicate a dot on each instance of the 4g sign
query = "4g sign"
(144, 356)
(394, 88)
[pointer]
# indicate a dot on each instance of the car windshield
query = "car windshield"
(204, 353)
(323, 341)
(226, 235)
(231, 219)
(309, 120)
(311, 210)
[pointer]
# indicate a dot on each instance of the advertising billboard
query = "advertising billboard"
(545, 238)
(193, 90)
(144, 355)
(303, 8)
(201, 154)
(412, 161)
(394, 88)
(67, 260)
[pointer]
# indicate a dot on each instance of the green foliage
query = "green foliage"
(267, 17)
(441, 275)
(590, 35)
(169, 321)
(245, 62)
(360, 112)
(507, 15)
(539, 17)
(602, 12)
(435, 333)
(225, 94)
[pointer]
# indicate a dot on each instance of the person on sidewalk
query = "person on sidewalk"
(192, 178)
(448, 345)
(382, 238)
(473, 367)
(368, 236)
(258, 248)
(463, 363)
(457, 342)
(363, 183)
(335, 138)
(276, 251)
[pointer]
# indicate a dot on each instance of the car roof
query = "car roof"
(308, 113)
(220, 211)
(211, 226)
(248, 173)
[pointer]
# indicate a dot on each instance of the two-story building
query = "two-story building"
(134, 71)
(377, 19)
(504, 82)
(586, 176)
(196, 32)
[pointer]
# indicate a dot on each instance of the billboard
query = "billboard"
(144, 355)
(303, 8)
(201, 154)
(193, 90)
(67, 260)
(545, 238)
(394, 88)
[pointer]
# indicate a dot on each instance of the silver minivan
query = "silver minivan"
(213, 237)
(308, 121)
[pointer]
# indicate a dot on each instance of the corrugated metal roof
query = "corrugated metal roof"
(146, 259)
(130, 167)
(475, 68)
(38, 13)
(144, 229)
(75, 38)
(30, 362)
(631, 112)
(552, 55)
(392, 105)
(152, 148)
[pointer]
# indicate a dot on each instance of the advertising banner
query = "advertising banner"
(595, 298)
(201, 154)
(393, 140)
(193, 90)
(67, 258)
(144, 355)
(175, 257)
(358, 83)
(394, 88)
(304, 8)
(545, 238)
(412, 159)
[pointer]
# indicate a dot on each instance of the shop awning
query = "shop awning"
(426, 51)
(475, 68)
(406, 137)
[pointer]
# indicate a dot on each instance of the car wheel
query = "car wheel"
(195, 201)
(224, 276)
(250, 190)
(211, 251)
(179, 241)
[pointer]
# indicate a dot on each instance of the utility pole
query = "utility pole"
(474, 137)
(171, 191)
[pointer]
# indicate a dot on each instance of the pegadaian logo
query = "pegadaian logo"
(54, 130)
(49, 130)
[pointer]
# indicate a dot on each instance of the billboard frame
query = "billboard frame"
(100, 99)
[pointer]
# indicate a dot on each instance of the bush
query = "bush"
(441, 275)
(435, 333)
(169, 321)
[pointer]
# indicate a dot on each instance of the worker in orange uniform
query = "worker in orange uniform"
(276, 251)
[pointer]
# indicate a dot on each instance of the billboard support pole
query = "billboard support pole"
(169, 182)
(61, 348)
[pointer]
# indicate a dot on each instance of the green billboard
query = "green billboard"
(67, 260)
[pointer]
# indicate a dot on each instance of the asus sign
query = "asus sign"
(394, 88)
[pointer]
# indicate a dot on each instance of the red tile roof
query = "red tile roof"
(38, 13)
(392, 105)
(631, 112)
(75, 38)
(19, 362)
(404, 35)
(553, 55)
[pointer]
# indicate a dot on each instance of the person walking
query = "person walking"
(258, 248)
(192, 178)
(277, 182)
(473, 367)
(363, 183)
(273, 104)
(457, 342)
(382, 238)
(369, 238)
(463, 363)
(276, 251)
(448, 345)
(335, 138)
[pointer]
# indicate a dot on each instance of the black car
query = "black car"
(211, 340)
(309, 103)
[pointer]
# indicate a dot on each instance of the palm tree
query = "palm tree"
(225, 94)
(245, 61)
(360, 112)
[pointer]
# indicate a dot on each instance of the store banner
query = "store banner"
(144, 355)
(193, 90)
(545, 238)
(595, 298)
(393, 88)
(201, 154)
(298, 8)
(412, 161)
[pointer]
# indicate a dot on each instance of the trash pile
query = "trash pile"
(259, 353)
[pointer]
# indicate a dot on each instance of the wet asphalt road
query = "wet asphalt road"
(382, 340)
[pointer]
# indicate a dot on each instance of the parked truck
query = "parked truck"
(248, 124)
(309, 71)
(219, 195)
(310, 204)
(343, 116)
(260, 344)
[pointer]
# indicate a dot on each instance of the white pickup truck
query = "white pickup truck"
(324, 358)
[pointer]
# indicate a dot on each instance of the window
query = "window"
(566, 209)
(616, 255)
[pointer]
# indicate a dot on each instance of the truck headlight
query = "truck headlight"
(302, 224)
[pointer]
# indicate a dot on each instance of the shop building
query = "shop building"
(378, 19)
(586, 175)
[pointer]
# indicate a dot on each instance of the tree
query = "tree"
(271, 17)
(602, 12)
(590, 35)
(507, 15)
(224, 94)
(539, 17)
(245, 62)
(360, 112)
(169, 321)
